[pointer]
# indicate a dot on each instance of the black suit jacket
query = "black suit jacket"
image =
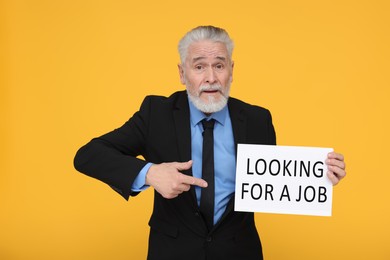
(160, 132)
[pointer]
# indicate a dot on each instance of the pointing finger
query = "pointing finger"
(194, 181)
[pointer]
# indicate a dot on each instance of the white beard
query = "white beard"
(212, 105)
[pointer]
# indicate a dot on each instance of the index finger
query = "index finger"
(194, 181)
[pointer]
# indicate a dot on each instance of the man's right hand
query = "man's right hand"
(167, 179)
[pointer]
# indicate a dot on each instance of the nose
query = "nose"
(210, 76)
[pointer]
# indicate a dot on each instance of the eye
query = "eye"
(219, 66)
(198, 67)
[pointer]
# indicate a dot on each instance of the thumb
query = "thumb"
(184, 165)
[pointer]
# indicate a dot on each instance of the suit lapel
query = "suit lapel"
(238, 119)
(181, 117)
(186, 201)
(239, 125)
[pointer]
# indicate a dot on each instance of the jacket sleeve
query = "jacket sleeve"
(112, 157)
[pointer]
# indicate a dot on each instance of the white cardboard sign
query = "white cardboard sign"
(283, 179)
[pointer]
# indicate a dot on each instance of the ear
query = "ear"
(181, 74)
(231, 74)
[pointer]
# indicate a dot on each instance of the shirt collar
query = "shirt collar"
(196, 115)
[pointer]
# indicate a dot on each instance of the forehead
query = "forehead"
(207, 50)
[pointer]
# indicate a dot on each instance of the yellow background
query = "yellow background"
(74, 69)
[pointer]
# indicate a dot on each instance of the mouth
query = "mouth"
(210, 91)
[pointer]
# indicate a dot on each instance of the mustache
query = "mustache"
(212, 87)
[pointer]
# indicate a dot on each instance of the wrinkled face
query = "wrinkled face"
(207, 73)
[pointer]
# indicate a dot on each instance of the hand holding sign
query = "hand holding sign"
(336, 167)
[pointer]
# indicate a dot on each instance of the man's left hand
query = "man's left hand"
(336, 167)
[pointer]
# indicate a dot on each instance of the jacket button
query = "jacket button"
(208, 239)
(196, 214)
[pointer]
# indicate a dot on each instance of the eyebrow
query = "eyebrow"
(201, 58)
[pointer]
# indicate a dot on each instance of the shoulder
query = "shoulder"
(172, 100)
(157, 107)
(257, 120)
(173, 97)
(239, 106)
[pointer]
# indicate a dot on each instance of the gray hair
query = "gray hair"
(200, 33)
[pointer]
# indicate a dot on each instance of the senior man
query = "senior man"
(188, 142)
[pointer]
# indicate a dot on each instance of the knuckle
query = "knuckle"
(174, 185)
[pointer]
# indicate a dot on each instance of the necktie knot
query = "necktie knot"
(208, 124)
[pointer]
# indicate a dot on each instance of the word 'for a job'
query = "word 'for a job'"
(285, 168)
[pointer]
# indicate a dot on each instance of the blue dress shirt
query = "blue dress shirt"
(224, 158)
